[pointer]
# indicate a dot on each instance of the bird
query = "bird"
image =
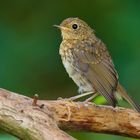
(89, 64)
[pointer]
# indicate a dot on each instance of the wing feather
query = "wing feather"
(96, 64)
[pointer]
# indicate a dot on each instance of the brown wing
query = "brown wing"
(96, 64)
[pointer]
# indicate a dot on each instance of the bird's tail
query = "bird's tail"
(124, 94)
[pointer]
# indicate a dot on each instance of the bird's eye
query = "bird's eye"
(74, 26)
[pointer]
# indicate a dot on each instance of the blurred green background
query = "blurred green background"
(29, 47)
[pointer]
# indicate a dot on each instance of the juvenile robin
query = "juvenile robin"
(87, 61)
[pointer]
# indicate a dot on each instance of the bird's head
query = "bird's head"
(74, 28)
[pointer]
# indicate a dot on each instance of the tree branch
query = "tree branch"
(20, 118)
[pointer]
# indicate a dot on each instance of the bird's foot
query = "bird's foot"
(65, 99)
(91, 98)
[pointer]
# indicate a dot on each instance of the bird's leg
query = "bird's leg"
(92, 97)
(79, 96)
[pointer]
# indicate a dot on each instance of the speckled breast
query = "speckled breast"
(66, 49)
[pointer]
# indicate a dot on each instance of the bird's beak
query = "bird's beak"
(57, 26)
(61, 27)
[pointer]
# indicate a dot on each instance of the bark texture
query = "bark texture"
(20, 118)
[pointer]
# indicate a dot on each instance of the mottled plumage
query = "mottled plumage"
(87, 61)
